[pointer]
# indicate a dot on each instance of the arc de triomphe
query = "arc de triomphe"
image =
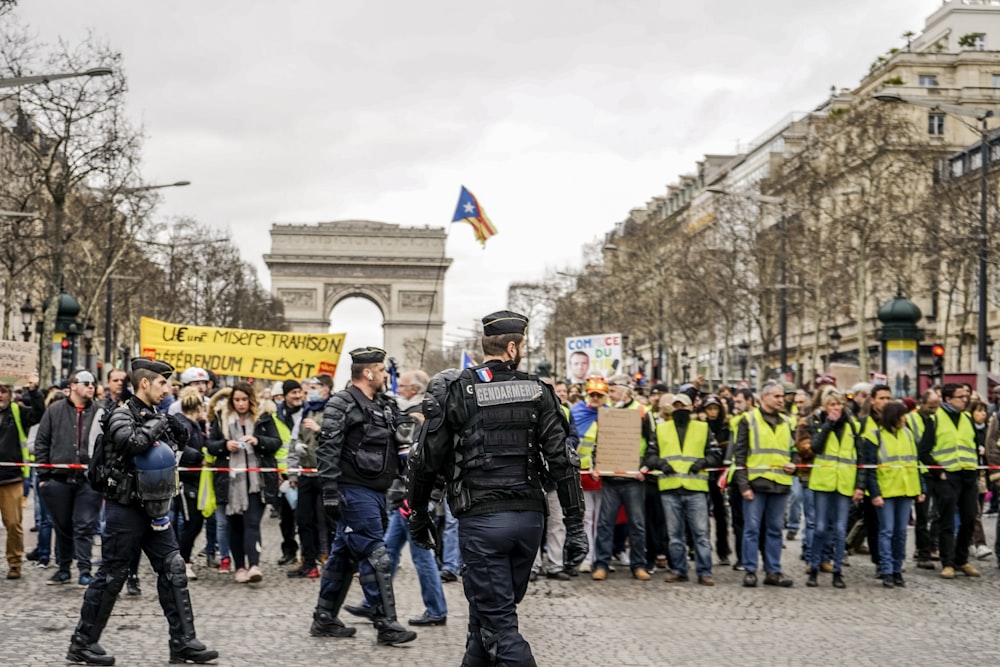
(399, 269)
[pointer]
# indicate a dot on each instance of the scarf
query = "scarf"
(240, 487)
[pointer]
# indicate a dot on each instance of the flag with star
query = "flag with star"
(469, 210)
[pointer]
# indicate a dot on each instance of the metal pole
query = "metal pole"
(783, 295)
(982, 366)
(108, 345)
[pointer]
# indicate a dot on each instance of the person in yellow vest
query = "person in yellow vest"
(926, 518)
(685, 448)
(743, 403)
(15, 420)
(620, 490)
(949, 447)
(892, 487)
(765, 458)
(835, 482)
(584, 416)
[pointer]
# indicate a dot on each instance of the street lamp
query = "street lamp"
(981, 115)
(27, 315)
(835, 338)
(88, 341)
(782, 203)
(743, 354)
(685, 365)
(109, 291)
(45, 78)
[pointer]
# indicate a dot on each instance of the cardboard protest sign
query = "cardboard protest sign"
(619, 433)
(270, 355)
(18, 361)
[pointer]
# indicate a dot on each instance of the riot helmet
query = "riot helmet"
(156, 472)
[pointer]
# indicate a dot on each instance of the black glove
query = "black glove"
(331, 504)
(667, 469)
(422, 529)
(698, 466)
(575, 547)
(155, 427)
(177, 430)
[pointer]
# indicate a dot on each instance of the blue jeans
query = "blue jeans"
(431, 591)
(222, 531)
(765, 512)
(809, 517)
(614, 494)
(893, 518)
(688, 510)
(795, 506)
(44, 522)
(451, 554)
(832, 510)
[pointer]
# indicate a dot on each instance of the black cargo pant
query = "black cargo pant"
(497, 554)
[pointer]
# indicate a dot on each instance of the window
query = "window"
(996, 80)
(979, 43)
(935, 124)
(957, 167)
(927, 80)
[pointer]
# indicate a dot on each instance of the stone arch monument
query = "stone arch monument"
(399, 269)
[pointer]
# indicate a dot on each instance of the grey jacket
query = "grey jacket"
(67, 435)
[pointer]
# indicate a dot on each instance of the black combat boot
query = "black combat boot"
(185, 650)
(811, 581)
(325, 624)
(82, 650)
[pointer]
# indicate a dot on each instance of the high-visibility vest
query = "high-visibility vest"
(681, 457)
(586, 447)
(955, 446)
(898, 474)
(281, 456)
(770, 449)
(836, 469)
(915, 422)
(636, 405)
(26, 456)
(734, 428)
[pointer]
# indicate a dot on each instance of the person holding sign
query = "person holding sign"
(495, 433)
(619, 489)
(584, 416)
(686, 448)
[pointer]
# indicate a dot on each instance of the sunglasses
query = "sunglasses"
(85, 384)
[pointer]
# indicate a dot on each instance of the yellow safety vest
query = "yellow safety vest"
(681, 457)
(734, 427)
(770, 449)
(586, 447)
(281, 456)
(898, 474)
(955, 446)
(836, 469)
(26, 456)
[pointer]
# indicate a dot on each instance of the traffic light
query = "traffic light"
(66, 358)
(938, 352)
(638, 379)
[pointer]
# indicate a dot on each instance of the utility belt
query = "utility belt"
(462, 497)
(122, 488)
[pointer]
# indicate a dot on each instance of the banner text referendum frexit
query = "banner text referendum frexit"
(272, 355)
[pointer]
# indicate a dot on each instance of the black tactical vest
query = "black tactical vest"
(369, 458)
(499, 446)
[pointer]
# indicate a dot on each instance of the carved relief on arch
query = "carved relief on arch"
(380, 295)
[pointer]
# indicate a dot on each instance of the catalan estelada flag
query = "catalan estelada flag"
(469, 210)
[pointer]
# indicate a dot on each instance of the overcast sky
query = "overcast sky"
(560, 116)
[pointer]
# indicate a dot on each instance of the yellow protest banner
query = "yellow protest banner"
(268, 355)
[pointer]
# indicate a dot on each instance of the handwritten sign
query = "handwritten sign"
(270, 355)
(18, 361)
(619, 434)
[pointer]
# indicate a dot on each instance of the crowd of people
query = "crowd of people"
(843, 472)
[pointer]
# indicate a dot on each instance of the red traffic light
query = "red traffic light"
(938, 350)
(65, 343)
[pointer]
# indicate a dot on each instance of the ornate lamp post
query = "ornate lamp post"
(835, 337)
(27, 316)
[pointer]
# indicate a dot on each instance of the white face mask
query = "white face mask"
(313, 395)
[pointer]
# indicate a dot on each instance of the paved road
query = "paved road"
(582, 622)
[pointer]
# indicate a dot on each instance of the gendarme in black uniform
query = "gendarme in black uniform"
(132, 430)
(494, 433)
(357, 461)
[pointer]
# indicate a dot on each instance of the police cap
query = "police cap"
(367, 355)
(158, 367)
(504, 322)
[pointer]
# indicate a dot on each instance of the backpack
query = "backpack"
(98, 468)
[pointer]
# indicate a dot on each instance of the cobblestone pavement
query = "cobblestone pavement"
(616, 622)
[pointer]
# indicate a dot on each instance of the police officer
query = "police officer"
(494, 433)
(133, 500)
(357, 461)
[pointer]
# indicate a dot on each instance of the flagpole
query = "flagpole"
(437, 284)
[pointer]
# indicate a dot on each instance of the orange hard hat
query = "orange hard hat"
(596, 385)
